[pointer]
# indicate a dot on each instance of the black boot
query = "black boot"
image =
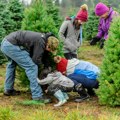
(11, 92)
(82, 92)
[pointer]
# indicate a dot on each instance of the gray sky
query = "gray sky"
(26, 1)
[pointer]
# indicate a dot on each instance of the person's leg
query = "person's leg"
(57, 92)
(86, 82)
(10, 75)
(78, 87)
(82, 92)
(22, 58)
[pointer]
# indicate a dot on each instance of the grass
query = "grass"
(87, 110)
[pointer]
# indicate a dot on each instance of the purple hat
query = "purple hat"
(101, 9)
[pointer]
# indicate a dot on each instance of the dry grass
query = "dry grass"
(87, 110)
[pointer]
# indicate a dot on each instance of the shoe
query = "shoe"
(43, 99)
(60, 103)
(11, 92)
(82, 98)
(60, 96)
(66, 96)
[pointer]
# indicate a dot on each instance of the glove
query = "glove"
(102, 43)
(94, 40)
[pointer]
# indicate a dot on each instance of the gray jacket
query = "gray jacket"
(58, 79)
(71, 42)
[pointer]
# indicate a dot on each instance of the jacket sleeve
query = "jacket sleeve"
(62, 30)
(100, 31)
(38, 51)
(44, 81)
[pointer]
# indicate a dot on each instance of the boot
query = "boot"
(66, 95)
(82, 92)
(59, 95)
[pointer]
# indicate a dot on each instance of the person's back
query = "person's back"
(26, 39)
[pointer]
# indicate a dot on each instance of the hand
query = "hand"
(94, 40)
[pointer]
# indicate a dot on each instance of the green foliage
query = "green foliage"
(21, 75)
(11, 15)
(37, 19)
(91, 26)
(109, 89)
(6, 114)
(53, 10)
(16, 9)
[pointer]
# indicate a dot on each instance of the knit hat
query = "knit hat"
(101, 9)
(62, 65)
(83, 13)
(53, 43)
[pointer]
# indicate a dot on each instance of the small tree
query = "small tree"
(109, 89)
(91, 26)
(53, 10)
(16, 9)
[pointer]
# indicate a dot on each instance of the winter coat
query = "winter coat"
(58, 79)
(32, 42)
(104, 24)
(88, 69)
(71, 39)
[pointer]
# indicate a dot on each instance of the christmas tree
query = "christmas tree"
(109, 80)
(91, 26)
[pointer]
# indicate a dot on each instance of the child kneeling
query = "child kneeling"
(84, 75)
(58, 86)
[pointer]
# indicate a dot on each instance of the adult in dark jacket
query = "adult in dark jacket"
(27, 49)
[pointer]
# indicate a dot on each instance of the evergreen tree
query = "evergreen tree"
(53, 10)
(2, 30)
(37, 19)
(91, 26)
(16, 9)
(109, 89)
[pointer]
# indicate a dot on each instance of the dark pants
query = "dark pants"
(86, 82)
(70, 55)
(55, 87)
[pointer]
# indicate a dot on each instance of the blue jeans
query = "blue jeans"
(22, 58)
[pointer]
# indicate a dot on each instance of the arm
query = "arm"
(44, 81)
(100, 31)
(62, 30)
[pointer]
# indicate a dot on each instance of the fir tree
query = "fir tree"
(53, 10)
(16, 9)
(91, 26)
(2, 30)
(109, 89)
(37, 19)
